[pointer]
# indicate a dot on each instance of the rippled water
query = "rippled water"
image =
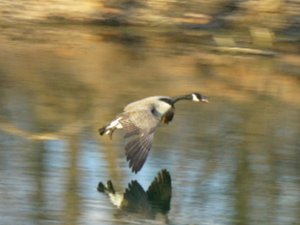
(232, 161)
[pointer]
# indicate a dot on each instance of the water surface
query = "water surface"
(232, 161)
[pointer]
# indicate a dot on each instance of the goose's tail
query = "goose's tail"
(104, 130)
(110, 128)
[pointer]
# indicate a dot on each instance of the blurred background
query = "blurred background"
(68, 67)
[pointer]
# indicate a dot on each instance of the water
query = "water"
(232, 161)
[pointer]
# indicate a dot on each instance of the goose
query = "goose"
(140, 120)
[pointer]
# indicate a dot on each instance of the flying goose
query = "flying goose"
(140, 119)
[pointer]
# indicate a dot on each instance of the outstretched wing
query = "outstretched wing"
(139, 127)
(137, 151)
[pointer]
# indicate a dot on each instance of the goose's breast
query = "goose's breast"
(161, 109)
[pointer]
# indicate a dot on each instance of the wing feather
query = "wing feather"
(139, 127)
(137, 151)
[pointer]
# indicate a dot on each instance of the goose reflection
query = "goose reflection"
(151, 204)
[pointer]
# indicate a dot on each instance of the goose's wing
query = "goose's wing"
(137, 150)
(139, 127)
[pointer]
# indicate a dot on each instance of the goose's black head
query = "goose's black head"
(197, 97)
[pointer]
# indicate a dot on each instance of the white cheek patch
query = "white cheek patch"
(195, 98)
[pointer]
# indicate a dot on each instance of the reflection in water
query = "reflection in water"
(151, 204)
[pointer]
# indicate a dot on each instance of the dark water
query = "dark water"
(232, 161)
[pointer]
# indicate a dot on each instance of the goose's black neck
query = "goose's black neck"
(181, 97)
(173, 100)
